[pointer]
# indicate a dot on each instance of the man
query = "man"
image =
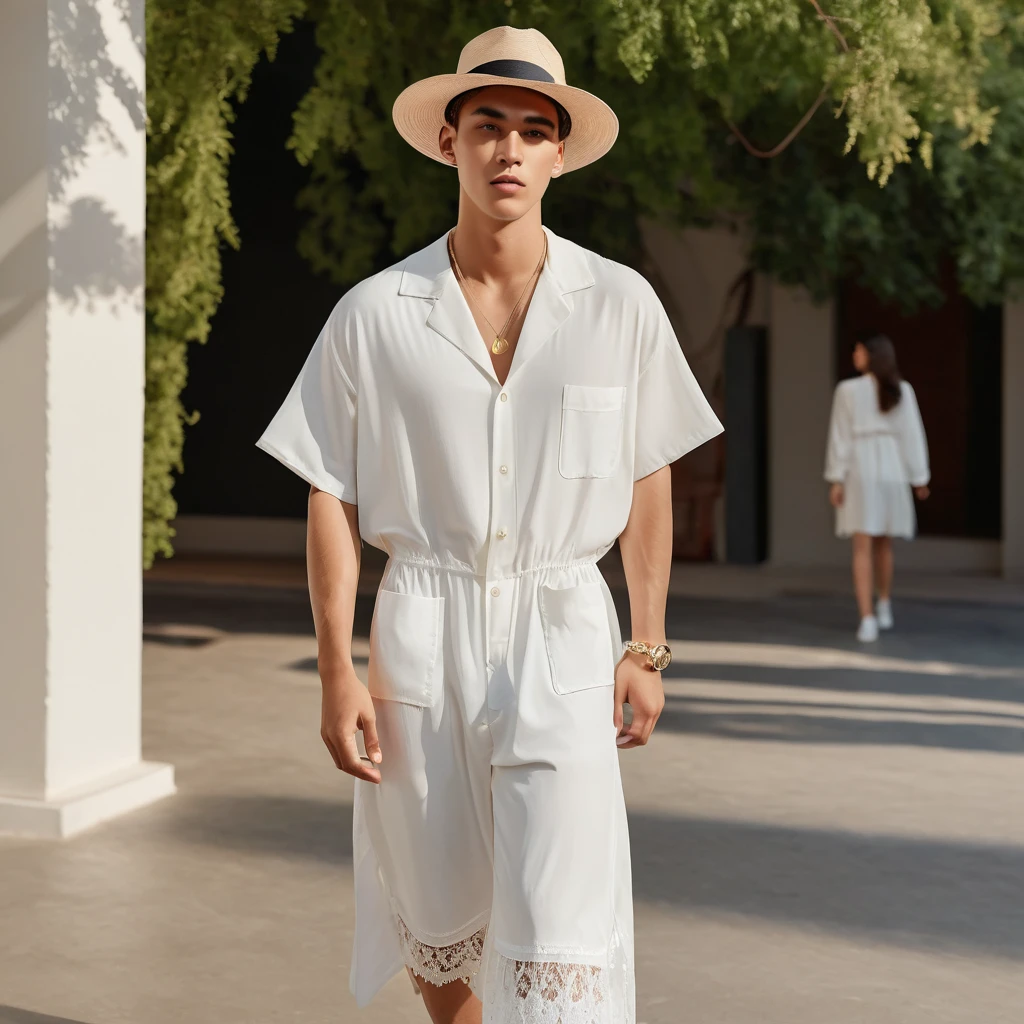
(494, 412)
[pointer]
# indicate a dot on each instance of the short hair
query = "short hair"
(455, 105)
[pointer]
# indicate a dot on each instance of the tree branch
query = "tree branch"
(768, 154)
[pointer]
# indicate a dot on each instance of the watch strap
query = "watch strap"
(647, 650)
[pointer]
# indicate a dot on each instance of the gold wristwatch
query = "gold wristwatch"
(658, 656)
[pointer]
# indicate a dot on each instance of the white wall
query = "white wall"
(700, 265)
(23, 287)
(801, 375)
(699, 268)
(72, 219)
(96, 335)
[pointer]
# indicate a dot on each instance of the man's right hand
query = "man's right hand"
(347, 706)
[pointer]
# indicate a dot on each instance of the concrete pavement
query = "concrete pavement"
(821, 832)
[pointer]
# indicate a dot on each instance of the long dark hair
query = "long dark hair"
(882, 363)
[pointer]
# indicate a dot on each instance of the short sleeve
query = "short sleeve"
(314, 431)
(672, 415)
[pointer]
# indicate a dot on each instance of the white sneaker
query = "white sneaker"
(883, 612)
(868, 631)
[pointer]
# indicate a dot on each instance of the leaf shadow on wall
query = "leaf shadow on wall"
(92, 254)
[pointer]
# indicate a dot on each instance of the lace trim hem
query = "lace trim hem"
(531, 992)
(440, 965)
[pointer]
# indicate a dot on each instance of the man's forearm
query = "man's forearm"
(646, 549)
(332, 567)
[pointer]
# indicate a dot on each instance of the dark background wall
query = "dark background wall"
(273, 309)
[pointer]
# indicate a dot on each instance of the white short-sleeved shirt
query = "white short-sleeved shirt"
(494, 503)
(398, 409)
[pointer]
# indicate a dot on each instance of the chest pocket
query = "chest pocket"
(590, 441)
(405, 648)
(578, 637)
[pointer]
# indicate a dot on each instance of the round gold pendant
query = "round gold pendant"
(498, 346)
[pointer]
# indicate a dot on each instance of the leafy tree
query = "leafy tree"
(689, 79)
(925, 99)
(199, 60)
(815, 218)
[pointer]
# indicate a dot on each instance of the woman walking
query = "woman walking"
(877, 454)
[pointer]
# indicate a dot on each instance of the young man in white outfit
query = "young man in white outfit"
(494, 412)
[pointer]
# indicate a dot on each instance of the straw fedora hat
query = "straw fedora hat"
(520, 57)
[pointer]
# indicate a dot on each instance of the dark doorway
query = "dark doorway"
(272, 311)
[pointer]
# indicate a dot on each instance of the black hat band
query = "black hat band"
(513, 69)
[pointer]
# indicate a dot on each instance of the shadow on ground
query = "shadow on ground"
(913, 893)
(14, 1015)
(969, 681)
(794, 727)
(286, 827)
(908, 892)
(985, 635)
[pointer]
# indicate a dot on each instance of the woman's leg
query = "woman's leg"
(883, 565)
(453, 1003)
(863, 583)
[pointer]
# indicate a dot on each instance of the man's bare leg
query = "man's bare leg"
(453, 1003)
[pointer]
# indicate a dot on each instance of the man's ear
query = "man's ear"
(559, 160)
(446, 143)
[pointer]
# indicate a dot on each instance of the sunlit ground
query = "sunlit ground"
(821, 833)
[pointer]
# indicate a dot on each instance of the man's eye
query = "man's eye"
(485, 126)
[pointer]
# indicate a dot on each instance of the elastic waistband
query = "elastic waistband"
(435, 566)
(875, 433)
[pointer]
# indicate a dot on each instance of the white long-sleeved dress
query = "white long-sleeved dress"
(877, 457)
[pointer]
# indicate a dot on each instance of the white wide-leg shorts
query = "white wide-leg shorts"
(495, 850)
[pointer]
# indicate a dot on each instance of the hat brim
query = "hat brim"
(418, 114)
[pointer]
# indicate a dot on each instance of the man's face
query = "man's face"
(506, 149)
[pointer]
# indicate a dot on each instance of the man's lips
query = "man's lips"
(508, 185)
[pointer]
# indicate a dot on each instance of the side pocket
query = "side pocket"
(406, 662)
(578, 637)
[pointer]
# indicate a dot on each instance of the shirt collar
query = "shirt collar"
(423, 275)
(428, 274)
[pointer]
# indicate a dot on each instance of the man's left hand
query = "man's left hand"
(641, 688)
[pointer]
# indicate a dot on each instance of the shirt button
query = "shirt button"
(502, 533)
(495, 591)
(503, 469)
(504, 397)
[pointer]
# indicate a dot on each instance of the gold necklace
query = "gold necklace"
(500, 343)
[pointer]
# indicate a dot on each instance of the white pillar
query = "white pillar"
(801, 370)
(1013, 440)
(72, 205)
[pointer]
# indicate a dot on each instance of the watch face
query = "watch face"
(661, 656)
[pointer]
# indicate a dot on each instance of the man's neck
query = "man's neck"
(494, 252)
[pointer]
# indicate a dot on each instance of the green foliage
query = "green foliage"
(815, 217)
(200, 56)
(923, 98)
(906, 77)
